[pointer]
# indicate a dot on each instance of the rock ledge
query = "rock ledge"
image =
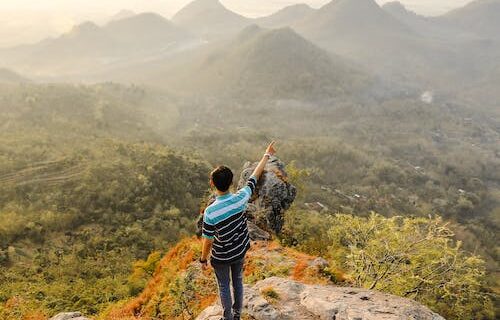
(297, 301)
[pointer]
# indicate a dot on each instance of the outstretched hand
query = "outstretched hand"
(270, 148)
(257, 172)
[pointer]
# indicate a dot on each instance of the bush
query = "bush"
(414, 258)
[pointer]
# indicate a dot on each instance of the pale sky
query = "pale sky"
(25, 21)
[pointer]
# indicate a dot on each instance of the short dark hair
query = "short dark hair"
(222, 178)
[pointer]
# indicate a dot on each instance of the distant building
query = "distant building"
(316, 206)
(427, 97)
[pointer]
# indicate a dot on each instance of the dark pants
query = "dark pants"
(224, 273)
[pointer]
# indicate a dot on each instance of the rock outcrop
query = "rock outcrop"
(69, 316)
(284, 299)
(274, 195)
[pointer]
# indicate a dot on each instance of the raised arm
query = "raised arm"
(257, 173)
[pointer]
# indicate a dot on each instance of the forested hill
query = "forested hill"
(86, 189)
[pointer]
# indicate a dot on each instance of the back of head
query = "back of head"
(222, 178)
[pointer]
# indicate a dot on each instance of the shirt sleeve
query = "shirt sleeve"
(208, 227)
(248, 190)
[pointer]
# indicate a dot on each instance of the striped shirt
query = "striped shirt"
(225, 222)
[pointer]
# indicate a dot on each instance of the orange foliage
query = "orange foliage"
(274, 245)
(35, 315)
(175, 261)
(340, 276)
(249, 268)
(16, 308)
(207, 301)
(13, 302)
(186, 260)
(299, 270)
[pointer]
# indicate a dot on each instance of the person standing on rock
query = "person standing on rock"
(225, 234)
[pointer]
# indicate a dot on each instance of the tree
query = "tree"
(415, 258)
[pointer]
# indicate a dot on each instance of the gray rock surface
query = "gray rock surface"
(256, 233)
(297, 301)
(274, 195)
(69, 316)
(319, 263)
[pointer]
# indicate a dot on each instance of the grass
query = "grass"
(270, 294)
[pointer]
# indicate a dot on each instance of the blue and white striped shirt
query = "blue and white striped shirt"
(225, 222)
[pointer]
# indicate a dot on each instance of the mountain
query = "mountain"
(399, 11)
(122, 14)
(210, 19)
(362, 31)
(358, 29)
(257, 63)
(145, 31)
(88, 47)
(286, 16)
(9, 76)
(425, 26)
(480, 16)
(363, 19)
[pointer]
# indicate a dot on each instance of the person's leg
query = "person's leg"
(222, 273)
(237, 280)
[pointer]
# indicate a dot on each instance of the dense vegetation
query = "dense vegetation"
(88, 185)
(80, 200)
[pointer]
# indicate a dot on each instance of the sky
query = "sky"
(27, 21)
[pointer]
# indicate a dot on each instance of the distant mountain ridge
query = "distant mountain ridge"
(480, 16)
(429, 27)
(9, 76)
(90, 47)
(122, 14)
(209, 19)
(361, 18)
(145, 29)
(362, 31)
(286, 17)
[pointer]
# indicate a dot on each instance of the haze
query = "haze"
(386, 121)
(27, 21)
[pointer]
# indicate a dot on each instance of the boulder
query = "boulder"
(211, 313)
(256, 233)
(319, 263)
(69, 316)
(274, 195)
(297, 301)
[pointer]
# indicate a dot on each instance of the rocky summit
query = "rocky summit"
(274, 195)
(284, 299)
